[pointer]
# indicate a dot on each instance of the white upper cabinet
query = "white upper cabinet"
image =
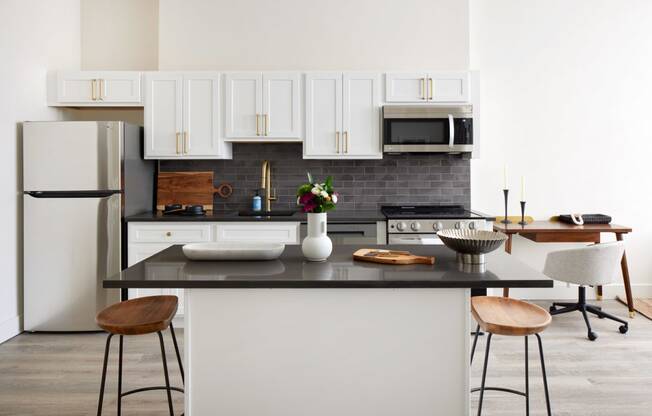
(182, 116)
(163, 114)
(361, 115)
(263, 105)
(323, 115)
(201, 102)
(406, 87)
(96, 89)
(244, 105)
(281, 99)
(342, 116)
(426, 87)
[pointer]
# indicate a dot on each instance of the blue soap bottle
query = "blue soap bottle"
(257, 203)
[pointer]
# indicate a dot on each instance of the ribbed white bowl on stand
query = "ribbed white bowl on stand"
(472, 245)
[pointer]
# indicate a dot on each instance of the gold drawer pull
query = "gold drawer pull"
(337, 142)
(93, 95)
(168, 234)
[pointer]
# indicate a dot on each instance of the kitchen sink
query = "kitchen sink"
(279, 213)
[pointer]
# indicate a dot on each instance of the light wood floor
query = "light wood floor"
(51, 374)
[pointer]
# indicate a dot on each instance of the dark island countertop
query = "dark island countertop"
(334, 217)
(171, 269)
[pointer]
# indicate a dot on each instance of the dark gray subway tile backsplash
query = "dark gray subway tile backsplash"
(436, 178)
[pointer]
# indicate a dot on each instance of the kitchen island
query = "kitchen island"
(289, 337)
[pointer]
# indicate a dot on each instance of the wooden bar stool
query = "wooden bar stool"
(137, 317)
(511, 317)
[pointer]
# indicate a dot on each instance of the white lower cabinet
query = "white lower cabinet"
(148, 238)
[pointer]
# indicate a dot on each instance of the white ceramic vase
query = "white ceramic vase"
(317, 246)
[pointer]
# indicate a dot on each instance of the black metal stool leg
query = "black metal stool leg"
(484, 373)
(475, 341)
(545, 377)
(176, 349)
(106, 359)
(165, 371)
(120, 378)
(527, 379)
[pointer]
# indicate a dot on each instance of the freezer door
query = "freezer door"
(72, 155)
(70, 246)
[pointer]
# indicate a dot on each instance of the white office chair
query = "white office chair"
(593, 265)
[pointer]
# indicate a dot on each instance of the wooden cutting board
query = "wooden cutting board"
(186, 188)
(390, 257)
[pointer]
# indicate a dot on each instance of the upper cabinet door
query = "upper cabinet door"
(163, 115)
(98, 88)
(406, 87)
(323, 115)
(77, 87)
(448, 86)
(281, 115)
(244, 109)
(201, 98)
(119, 87)
(361, 115)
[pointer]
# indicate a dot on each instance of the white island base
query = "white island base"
(327, 352)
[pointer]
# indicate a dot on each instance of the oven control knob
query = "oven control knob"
(437, 226)
(458, 225)
(415, 226)
(401, 226)
(471, 226)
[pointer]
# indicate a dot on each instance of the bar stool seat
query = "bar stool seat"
(510, 317)
(507, 316)
(138, 316)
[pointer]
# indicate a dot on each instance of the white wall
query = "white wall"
(565, 92)
(311, 34)
(34, 36)
(119, 34)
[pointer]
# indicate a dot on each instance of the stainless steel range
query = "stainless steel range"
(419, 224)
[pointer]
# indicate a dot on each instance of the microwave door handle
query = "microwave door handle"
(451, 131)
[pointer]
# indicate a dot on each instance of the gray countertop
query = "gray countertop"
(342, 217)
(171, 269)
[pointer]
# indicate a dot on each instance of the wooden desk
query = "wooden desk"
(559, 232)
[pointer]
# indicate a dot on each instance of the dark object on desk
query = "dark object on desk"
(587, 218)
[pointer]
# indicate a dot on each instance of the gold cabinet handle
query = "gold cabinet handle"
(168, 234)
(186, 142)
(337, 142)
(93, 96)
(266, 124)
(423, 88)
(346, 142)
(178, 141)
(430, 84)
(257, 125)
(101, 97)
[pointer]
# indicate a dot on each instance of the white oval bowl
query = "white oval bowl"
(233, 250)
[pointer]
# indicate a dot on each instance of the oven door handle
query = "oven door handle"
(451, 131)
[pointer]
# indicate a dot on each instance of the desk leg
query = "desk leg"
(508, 249)
(628, 286)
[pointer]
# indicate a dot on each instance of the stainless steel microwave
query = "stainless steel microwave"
(426, 128)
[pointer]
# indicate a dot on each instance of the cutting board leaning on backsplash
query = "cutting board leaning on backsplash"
(188, 188)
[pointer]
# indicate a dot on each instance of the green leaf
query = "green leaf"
(304, 189)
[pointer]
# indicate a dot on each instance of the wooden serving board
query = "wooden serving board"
(186, 188)
(390, 257)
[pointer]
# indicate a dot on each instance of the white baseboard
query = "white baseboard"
(10, 328)
(561, 291)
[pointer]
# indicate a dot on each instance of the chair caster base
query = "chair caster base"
(592, 336)
(623, 329)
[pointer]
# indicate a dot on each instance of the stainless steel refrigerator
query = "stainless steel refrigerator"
(79, 179)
